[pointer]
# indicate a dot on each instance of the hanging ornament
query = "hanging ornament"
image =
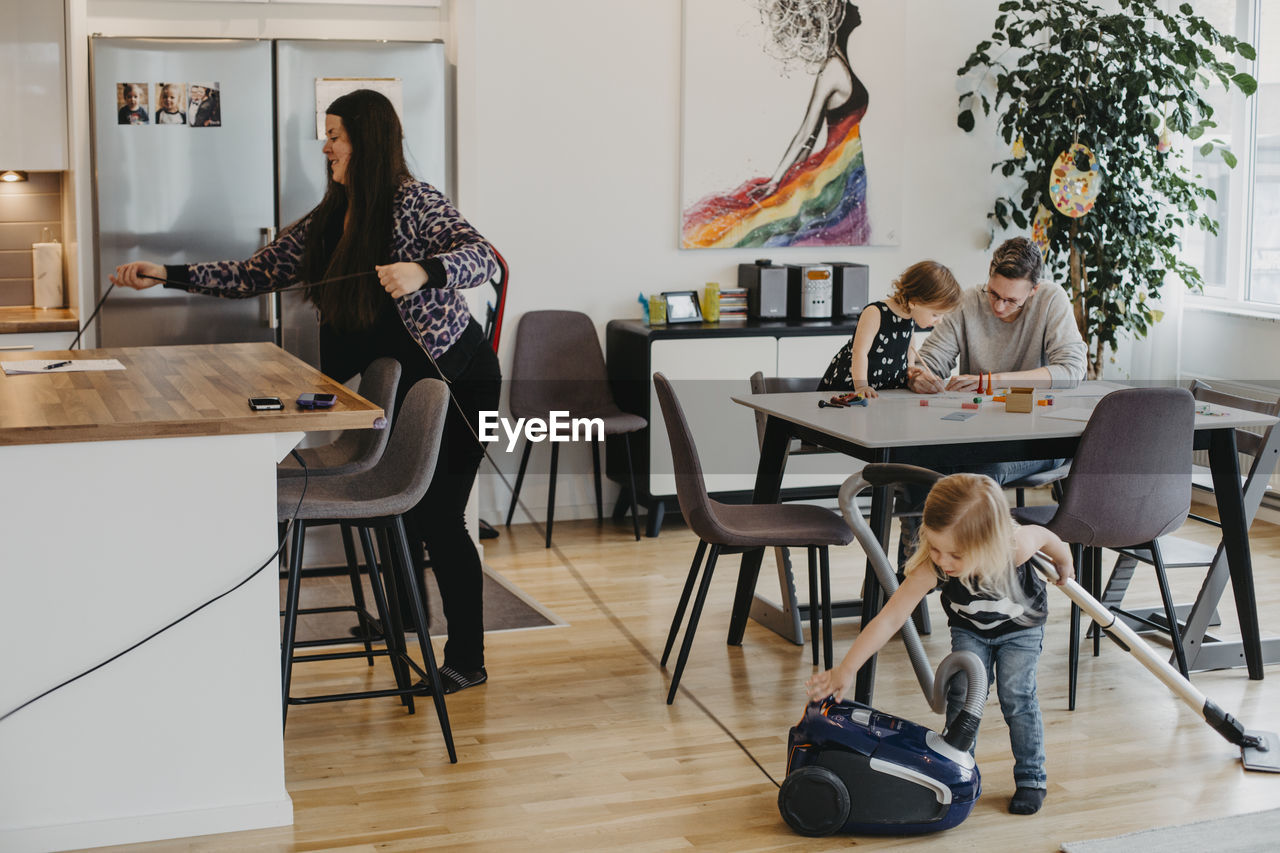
(1019, 150)
(1040, 226)
(1072, 189)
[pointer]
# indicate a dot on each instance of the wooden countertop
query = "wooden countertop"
(26, 319)
(170, 391)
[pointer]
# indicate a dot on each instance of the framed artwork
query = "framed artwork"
(793, 123)
(682, 306)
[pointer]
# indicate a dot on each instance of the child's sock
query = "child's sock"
(1026, 801)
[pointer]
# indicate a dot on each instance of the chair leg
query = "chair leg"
(551, 490)
(684, 599)
(395, 626)
(291, 615)
(420, 625)
(282, 530)
(1095, 589)
(631, 482)
(1073, 647)
(653, 523)
(815, 601)
(828, 650)
(1170, 613)
(357, 590)
(515, 492)
(595, 469)
(380, 601)
(1020, 497)
(693, 622)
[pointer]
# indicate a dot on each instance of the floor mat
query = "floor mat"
(506, 607)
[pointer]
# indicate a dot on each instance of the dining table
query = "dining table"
(899, 426)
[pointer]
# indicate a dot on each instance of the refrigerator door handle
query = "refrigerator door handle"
(271, 303)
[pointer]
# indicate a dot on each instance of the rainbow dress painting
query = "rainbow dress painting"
(820, 201)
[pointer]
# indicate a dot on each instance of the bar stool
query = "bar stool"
(374, 499)
(354, 451)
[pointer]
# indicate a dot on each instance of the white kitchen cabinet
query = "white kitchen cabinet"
(33, 87)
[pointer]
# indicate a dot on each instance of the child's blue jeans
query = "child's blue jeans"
(1011, 663)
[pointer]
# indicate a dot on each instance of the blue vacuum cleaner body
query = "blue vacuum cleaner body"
(853, 769)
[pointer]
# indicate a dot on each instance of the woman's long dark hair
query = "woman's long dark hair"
(374, 173)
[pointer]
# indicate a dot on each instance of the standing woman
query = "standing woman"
(419, 254)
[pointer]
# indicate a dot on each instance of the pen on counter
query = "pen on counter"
(56, 364)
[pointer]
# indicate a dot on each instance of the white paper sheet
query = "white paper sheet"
(42, 365)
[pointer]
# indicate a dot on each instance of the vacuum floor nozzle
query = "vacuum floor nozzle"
(1265, 757)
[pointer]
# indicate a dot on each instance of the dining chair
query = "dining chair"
(375, 499)
(736, 528)
(559, 367)
(1130, 484)
(1177, 552)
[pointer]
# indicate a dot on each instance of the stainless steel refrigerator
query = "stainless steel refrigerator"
(187, 190)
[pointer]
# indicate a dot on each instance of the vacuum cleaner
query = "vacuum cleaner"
(853, 769)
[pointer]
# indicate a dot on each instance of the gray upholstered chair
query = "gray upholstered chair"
(1175, 551)
(374, 499)
(734, 529)
(354, 451)
(559, 367)
(1130, 484)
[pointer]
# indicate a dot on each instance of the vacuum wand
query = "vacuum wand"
(1258, 750)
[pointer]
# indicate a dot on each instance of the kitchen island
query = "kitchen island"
(128, 499)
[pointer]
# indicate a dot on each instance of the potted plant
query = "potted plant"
(1119, 82)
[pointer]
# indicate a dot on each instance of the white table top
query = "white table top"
(896, 418)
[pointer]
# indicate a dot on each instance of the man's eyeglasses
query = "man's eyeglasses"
(997, 299)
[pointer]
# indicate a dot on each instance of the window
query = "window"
(1241, 264)
(1264, 255)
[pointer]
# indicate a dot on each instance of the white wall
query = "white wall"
(575, 148)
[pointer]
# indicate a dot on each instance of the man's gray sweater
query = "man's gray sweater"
(1043, 334)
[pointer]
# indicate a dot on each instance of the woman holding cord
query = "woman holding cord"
(419, 254)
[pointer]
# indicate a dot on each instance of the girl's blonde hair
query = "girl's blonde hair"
(927, 283)
(972, 508)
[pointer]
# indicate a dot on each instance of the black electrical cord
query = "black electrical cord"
(275, 555)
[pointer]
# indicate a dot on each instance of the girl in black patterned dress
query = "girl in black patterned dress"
(880, 354)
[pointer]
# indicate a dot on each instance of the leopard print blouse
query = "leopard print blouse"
(428, 230)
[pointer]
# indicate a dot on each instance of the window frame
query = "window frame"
(1236, 222)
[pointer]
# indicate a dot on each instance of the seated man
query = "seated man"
(1012, 327)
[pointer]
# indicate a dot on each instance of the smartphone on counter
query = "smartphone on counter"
(316, 401)
(265, 404)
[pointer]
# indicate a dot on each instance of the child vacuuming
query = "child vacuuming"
(970, 547)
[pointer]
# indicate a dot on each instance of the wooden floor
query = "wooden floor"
(570, 745)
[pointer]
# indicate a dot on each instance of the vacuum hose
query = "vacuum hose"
(964, 728)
